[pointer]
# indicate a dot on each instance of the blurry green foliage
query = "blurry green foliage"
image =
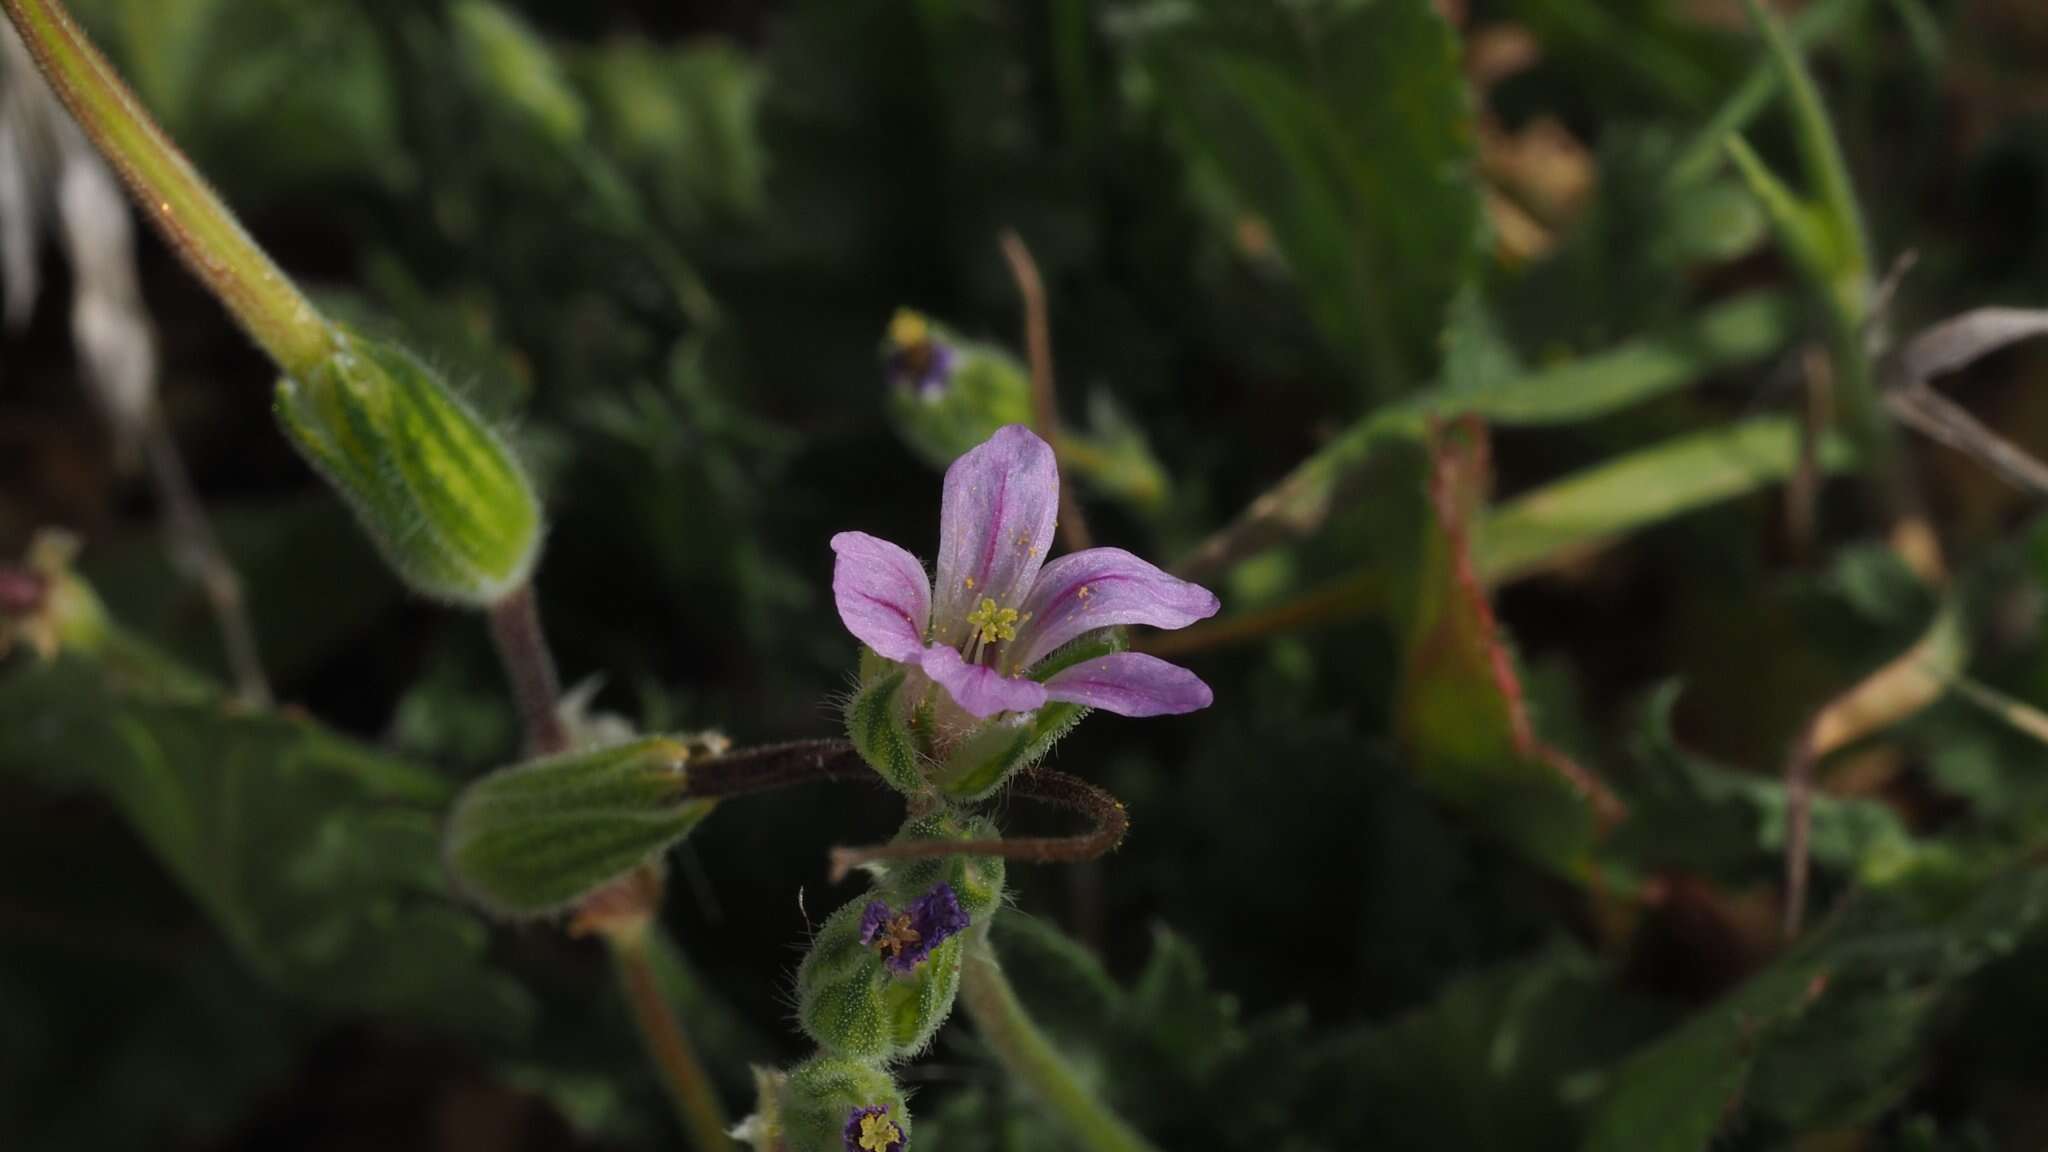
(663, 261)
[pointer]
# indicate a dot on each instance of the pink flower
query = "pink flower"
(999, 609)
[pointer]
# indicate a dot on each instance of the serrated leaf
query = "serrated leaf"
(534, 838)
(1461, 714)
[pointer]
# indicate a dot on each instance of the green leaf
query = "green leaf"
(1461, 714)
(535, 838)
(1831, 1033)
(1347, 129)
(1737, 332)
(1689, 813)
(1568, 518)
(316, 858)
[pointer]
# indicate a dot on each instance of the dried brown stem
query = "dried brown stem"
(197, 554)
(1938, 418)
(1045, 410)
(1798, 827)
(1044, 785)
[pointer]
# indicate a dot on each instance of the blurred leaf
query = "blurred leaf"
(1831, 1033)
(1691, 814)
(1491, 1064)
(1733, 333)
(683, 121)
(1566, 519)
(310, 582)
(264, 94)
(1172, 1055)
(317, 859)
(1461, 715)
(1347, 129)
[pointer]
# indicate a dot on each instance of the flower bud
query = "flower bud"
(539, 837)
(947, 395)
(832, 1104)
(976, 881)
(438, 491)
(880, 979)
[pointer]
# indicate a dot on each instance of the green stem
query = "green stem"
(170, 192)
(1009, 1031)
(689, 1086)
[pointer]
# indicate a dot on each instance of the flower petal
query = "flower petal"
(977, 688)
(994, 527)
(1083, 591)
(882, 595)
(1131, 684)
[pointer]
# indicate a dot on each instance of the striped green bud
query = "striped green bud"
(438, 491)
(539, 837)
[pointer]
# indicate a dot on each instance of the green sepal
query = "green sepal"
(438, 491)
(853, 1005)
(977, 881)
(979, 765)
(818, 1097)
(876, 724)
(536, 838)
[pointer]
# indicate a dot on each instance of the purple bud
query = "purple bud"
(907, 938)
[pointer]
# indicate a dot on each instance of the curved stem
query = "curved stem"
(171, 192)
(682, 1072)
(1025, 1052)
(1104, 811)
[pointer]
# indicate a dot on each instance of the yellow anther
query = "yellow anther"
(991, 623)
(908, 330)
(878, 1133)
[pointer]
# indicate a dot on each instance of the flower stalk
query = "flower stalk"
(523, 650)
(1029, 1056)
(171, 193)
(689, 1086)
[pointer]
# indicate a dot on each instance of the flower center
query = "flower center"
(896, 934)
(878, 1133)
(992, 624)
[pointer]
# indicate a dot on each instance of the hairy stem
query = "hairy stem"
(171, 193)
(523, 649)
(1025, 1052)
(1105, 812)
(682, 1072)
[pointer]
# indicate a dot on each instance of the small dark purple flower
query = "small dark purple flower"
(908, 937)
(997, 608)
(919, 358)
(869, 1129)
